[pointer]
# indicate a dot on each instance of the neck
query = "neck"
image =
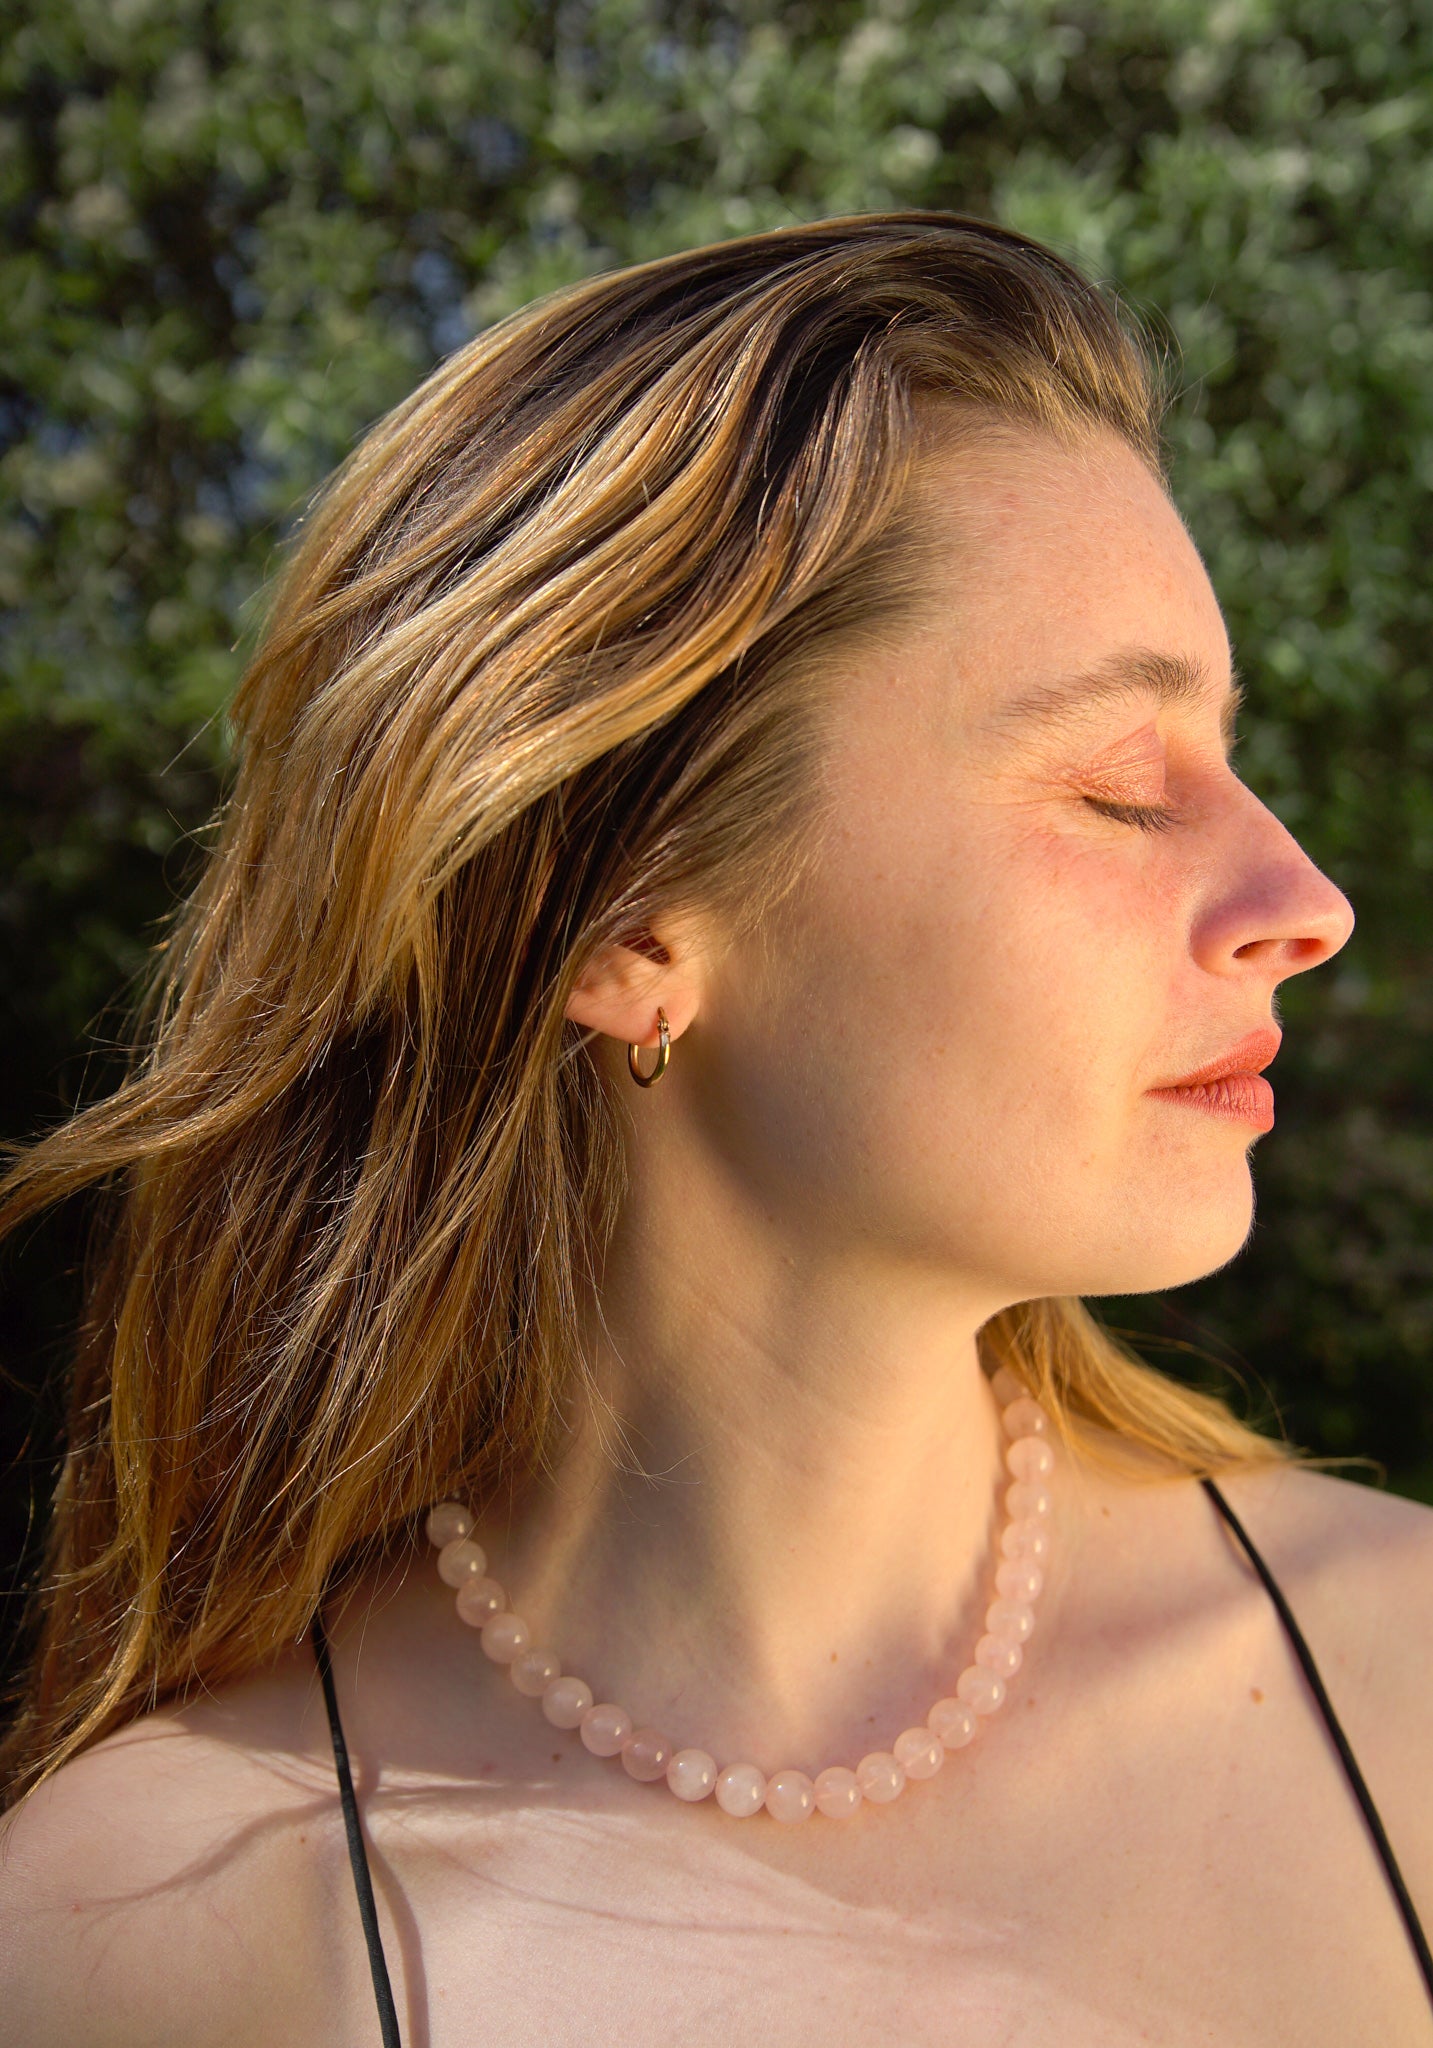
(778, 1513)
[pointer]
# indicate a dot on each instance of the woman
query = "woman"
(735, 912)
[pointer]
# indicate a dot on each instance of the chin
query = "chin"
(1188, 1256)
(1178, 1241)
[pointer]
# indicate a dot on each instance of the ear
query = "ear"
(623, 985)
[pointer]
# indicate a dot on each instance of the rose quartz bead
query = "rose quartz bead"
(1005, 1387)
(1011, 1619)
(532, 1672)
(741, 1790)
(645, 1755)
(838, 1792)
(566, 1700)
(981, 1690)
(1025, 1418)
(1017, 1580)
(447, 1523)
(479, 1600)
(790, 1796)
(881, 1777)
(1026, 1540)
(919, 1752)
(692, 1774)
(504, 1637)
(461, 1560)
(996, 1654)
(954, 1722)
(1029, 1458)
(605, 1728)
(1026, 1503)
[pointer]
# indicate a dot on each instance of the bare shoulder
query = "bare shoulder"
(172, 1883)
(1360, 1558)
(1355, 1564)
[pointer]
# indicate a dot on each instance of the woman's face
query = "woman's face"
(1042, 896)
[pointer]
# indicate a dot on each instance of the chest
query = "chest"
(1208, 1880)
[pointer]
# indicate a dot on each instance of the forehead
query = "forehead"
(1043, 560)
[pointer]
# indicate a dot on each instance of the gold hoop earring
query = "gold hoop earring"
(664, 1053)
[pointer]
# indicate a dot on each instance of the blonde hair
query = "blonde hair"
(538, 672)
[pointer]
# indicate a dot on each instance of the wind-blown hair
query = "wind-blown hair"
(543, 667)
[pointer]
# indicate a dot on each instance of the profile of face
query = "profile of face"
(1041, 895)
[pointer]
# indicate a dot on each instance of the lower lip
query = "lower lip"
(1238, 1099)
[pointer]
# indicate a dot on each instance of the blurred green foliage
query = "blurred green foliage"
(236, 231)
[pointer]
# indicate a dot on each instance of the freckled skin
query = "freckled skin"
(988, 974)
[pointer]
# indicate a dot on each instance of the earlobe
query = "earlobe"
(635, 1019)
(622, 987)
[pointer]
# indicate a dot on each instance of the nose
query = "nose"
(1277, 913)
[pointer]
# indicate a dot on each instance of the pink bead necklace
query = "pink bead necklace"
(789, 1795)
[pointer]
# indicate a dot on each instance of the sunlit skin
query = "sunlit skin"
(921, 1095)
(923, 1091)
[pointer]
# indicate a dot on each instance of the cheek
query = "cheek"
(961, 1014)
(1018, 952)
(1081, 944)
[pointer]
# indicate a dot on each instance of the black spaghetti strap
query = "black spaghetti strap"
(363, 1882)
(357, 1854)
(1340, 1740)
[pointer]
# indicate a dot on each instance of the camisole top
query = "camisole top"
(363, 1880)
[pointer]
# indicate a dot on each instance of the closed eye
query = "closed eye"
(1149, 817)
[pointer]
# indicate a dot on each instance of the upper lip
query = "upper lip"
(1250, 1056)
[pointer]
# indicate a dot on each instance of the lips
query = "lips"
(1230, 1086)
(1250, 1056)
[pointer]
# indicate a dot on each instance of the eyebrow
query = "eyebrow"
(1131, 672)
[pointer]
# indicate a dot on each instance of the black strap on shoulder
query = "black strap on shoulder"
(1340, 1741)
(357, 1854)
(363, 1881)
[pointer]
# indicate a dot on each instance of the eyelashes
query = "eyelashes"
(1148, 817)
(1154, 817)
